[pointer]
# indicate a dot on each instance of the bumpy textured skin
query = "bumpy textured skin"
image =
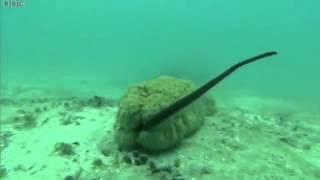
(145, 99)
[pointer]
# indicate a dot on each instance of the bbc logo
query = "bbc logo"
(13, 3)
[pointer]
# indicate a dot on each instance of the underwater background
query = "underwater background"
(268, 112)
(121, 42)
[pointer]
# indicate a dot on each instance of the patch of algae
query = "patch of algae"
(142, 101)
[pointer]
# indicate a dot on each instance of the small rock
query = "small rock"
(64, 149)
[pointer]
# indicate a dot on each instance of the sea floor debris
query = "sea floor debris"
(236, 142)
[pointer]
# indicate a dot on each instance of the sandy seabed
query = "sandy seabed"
(71, 138)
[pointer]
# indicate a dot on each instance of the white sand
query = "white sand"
(249, 138)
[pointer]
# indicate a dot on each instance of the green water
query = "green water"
(102, 47)
(128, 41)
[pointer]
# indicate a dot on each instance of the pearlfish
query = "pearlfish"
(188, 99)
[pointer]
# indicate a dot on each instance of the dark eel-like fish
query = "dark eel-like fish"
(188, 99)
